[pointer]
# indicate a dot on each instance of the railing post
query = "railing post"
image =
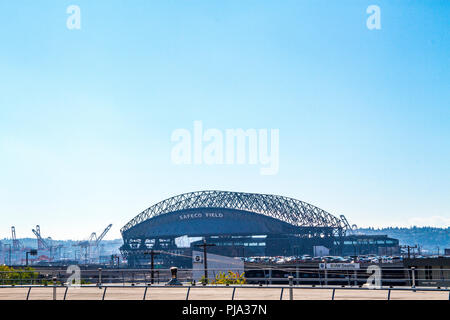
(28, 294)
(348, 277)
(65, 292)
(270, 276)
(54, 288)
(291, 290)
(100, 277)
(187, 295)
(413, 274)
(145, 293)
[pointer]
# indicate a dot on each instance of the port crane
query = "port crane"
(40, 241)
(45, 244)
(91, 245)
(15, 242)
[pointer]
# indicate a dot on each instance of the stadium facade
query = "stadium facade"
(238, 224)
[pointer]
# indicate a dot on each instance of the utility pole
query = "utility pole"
(409, 249)
(204, 246)
(152, 254)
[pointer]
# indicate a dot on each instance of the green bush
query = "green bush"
(11, 276)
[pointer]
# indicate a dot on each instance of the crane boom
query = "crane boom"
(13, 233)
(92, 238)
(38, 235)
(16, 243)
(90, 246)
(100, 238)
(39, 243)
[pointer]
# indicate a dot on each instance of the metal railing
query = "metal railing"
(290, 288)
(301, 276)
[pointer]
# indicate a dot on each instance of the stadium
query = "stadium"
(240, 224)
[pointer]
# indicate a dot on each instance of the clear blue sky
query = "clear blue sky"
(86, 115)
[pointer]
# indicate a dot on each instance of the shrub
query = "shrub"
(230, 278)
(10, 276)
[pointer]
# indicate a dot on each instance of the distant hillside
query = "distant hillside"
(427, 238)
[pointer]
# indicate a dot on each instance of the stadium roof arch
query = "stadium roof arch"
(269, 210)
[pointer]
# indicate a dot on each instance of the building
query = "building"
(237, 224)
(433, 272)
(380, 245)
(216, 264)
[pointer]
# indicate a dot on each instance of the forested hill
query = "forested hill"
(427, 237)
